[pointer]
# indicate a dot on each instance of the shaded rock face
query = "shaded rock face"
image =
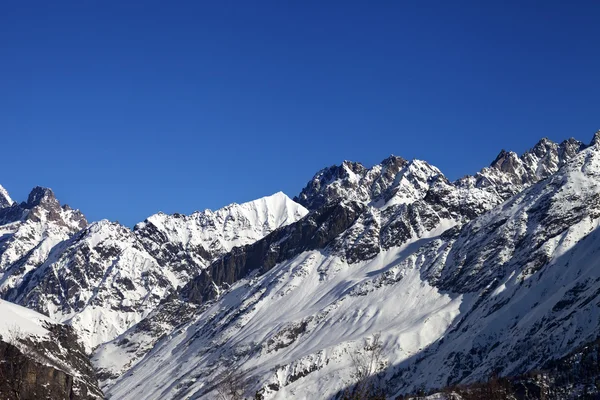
(22, 378)
(315, 231)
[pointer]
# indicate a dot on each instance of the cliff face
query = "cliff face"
(23, 378)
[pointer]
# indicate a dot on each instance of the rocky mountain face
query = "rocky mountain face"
(574, 376)
(28, 232)
(190, 242)
(42, 359)
(458, 279)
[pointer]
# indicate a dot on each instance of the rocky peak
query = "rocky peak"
(43, 205)
(41, 196)
(506, 161)
(352, 181)
(351, 167)
(596, 138)
(568, 149)
(394, 162)
(543, 147)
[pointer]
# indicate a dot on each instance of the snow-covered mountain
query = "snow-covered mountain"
(42, 359)
(456, 279)
(492, 272)
(396, 180)
(103, 278)
(28, 232)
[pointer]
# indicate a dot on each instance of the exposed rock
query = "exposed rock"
(315, 231)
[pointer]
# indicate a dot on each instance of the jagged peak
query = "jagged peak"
(392, 159)
(106, 227)
(570, 141)
(502, 157)
(542, 147)
(39, 195)
(545, 141)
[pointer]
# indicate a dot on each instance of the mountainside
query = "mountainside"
(450, 281)
(28, 232)
(457, 279)
(103, 278)
(41, 359)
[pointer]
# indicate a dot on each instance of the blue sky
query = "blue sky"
(128, 108)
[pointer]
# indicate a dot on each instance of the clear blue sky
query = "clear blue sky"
(127, 108)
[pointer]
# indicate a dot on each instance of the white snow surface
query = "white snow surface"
(14, 318)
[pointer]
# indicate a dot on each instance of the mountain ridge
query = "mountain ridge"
(255, 291)
(354, 239)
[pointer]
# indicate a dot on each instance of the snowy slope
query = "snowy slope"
(533, 271)
(299, 319)
(452, 299)
(28, 322)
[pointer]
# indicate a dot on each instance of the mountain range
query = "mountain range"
(494, 273)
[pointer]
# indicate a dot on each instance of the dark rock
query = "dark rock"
(315, 231)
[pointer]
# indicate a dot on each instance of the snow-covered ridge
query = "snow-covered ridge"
(398, 181)
(230, 226)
